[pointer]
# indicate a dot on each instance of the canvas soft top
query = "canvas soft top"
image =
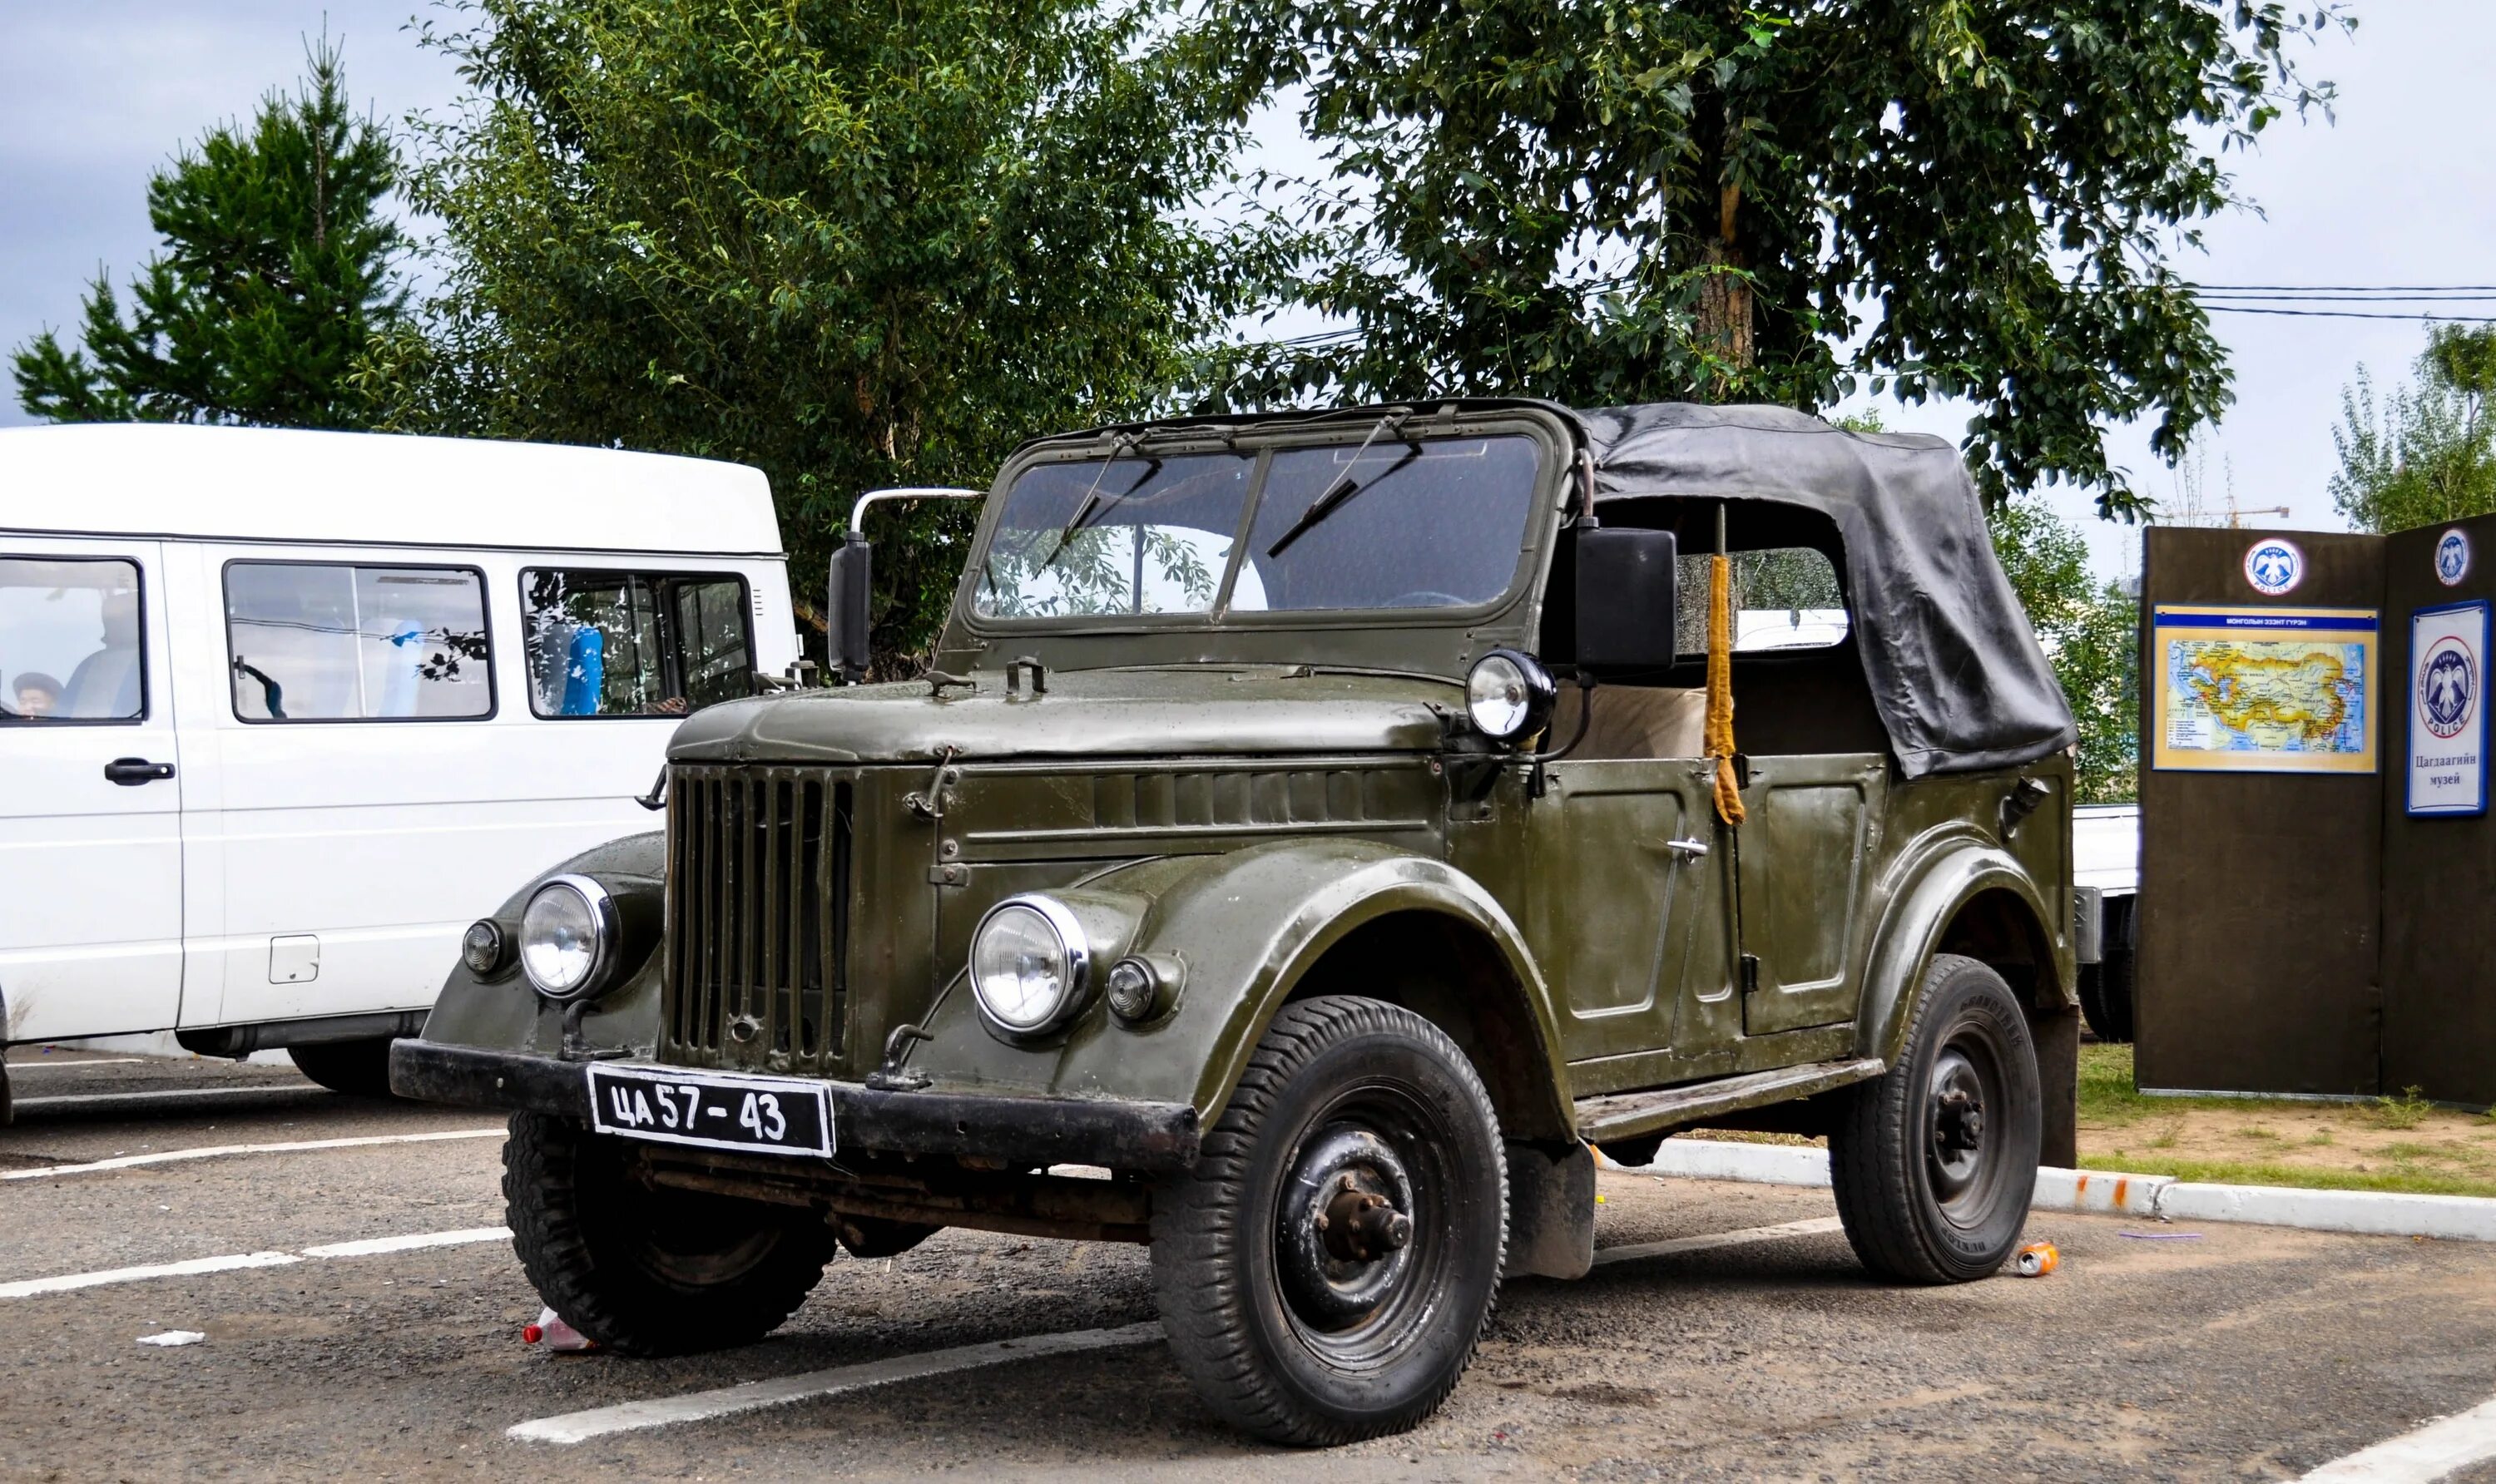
(1954, 669)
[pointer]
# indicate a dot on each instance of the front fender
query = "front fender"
(1248, 926)
(1945, 879)
(503, 1013)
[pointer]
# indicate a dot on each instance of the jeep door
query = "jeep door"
(1806, 856)
(1628, 909)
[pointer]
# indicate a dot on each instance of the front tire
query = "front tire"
(1326, 1270)
(650, 1271)
(359, 1068)
(1935, 1161)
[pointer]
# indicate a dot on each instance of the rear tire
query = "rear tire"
(356, 1069)
(649, 1271)
(1328, 1268)
(1935, 1161)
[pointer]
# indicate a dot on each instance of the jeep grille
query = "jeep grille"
(758, 916)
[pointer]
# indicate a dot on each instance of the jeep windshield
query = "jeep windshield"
(1393, 523)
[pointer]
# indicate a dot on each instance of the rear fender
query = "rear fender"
(1948, 877)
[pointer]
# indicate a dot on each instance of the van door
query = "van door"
(90, 792)
(350, 777)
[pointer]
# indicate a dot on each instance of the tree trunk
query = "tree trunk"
(1725, 298)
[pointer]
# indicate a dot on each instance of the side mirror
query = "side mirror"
(846, 613)
(1627, 603)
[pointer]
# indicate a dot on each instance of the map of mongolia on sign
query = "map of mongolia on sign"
(2448, 766)
(2265, 690)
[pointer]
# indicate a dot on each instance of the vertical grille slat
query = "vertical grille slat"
(758, 908)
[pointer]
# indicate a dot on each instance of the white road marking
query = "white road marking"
(30, 1288)
(375, 1247)
(223, 1151)
(699, 1406)
(1814, 1227)
(2433, 1452)
(263, 1089)
(15, 1067)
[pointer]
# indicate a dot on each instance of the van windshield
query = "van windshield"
(1395, 524)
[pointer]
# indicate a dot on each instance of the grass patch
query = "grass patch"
(2108, 1100)
(2407, 1111)
(2411, 1182)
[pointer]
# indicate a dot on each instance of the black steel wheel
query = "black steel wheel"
(359, 1069)
(1935, 1161)
(650, 1271)
(1326, 1270)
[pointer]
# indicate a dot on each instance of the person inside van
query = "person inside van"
(106, 683)
(38, 695)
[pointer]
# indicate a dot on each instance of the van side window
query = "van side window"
(334, 643)
(1784, 597)
(635, 643)
(70, 645)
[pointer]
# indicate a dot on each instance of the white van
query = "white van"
(281, 713)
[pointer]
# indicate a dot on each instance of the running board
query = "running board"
(1626, 1114)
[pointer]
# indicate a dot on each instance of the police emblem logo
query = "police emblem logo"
(2452, 557)
(2274, 566)
(2448, 688)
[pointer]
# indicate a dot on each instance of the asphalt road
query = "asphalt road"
(2234, 1353)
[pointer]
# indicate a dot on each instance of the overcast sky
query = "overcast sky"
(2400, 191)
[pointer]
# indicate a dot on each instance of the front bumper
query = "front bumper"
(1020, 1132)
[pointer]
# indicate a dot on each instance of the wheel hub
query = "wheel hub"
(1957, 1147)
(1345, 1233)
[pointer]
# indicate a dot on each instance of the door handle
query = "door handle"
(1688, 850)
(130, 772)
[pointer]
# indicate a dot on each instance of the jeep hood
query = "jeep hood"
(1124, 713)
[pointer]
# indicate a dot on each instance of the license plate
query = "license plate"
(773, 1115)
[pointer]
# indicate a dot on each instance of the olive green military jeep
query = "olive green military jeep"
(1309, 822)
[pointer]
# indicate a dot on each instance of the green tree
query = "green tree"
(2428, 455)
(1631, 199)
(277, 268)
(2089, 631)
(852, 244)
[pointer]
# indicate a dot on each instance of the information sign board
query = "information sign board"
(2264, 690)
(2448, 766)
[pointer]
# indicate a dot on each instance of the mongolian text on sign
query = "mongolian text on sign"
(2447, 722)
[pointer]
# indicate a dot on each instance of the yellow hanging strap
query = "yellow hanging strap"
(1719, 686)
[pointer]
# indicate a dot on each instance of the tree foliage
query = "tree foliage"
(2428, 455)
(277, 267)
(1606, 200)
(2090, 633)
(853, 244)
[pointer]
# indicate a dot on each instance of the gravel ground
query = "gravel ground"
(2242, 1352)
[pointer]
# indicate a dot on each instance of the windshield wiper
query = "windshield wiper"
(1340, 492)
(1092, 503)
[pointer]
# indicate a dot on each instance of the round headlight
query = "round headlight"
(1029, 963)
(1509, 695)
(568, 936)
(481, 948)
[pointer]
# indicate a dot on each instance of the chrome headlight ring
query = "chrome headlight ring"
(1030, 965)
(569, 936)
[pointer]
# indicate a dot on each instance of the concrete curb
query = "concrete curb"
(2153, 1197)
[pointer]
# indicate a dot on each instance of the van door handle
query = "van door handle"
(130, 772)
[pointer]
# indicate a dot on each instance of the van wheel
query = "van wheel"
(358, 1069)
(1935, 1161)
(2114, 1021)
(1326, 1269)
(650, 1271)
